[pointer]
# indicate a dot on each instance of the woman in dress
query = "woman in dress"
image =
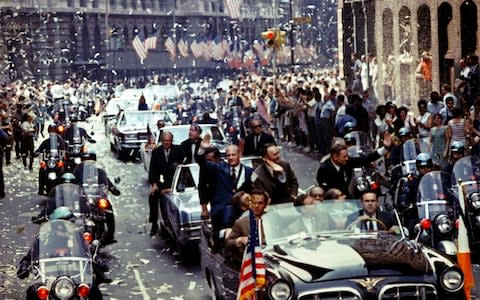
(438, 141)
(458, 129)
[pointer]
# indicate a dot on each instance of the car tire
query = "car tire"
(121, 155)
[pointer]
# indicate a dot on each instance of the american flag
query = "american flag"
(252, 273)
(171, 47)
(197, 49)
(151, 41)
(139, 47)
(183, 48)
(233, 8)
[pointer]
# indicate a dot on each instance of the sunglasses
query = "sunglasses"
(257, 126)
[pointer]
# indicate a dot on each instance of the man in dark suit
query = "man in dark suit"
(336, 172)
(165, 159)
(365, 217)
(229, 177)
(256, 140)
(191, 145)
(275, 176)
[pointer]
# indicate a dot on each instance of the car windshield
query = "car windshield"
(142, 118)
(60, 238)
(434, 194)
(286, 222)
(467, 172)
(165, 91)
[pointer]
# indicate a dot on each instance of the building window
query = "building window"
(85, 43)
(124, 4)
(126, 35)
(134, 4)
(83, 3)
(143, 3)
(95, 3)
(70, 3)
(113, 3)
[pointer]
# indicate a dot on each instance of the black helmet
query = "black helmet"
(457, 147)
(68, 178)
(52, 128)
(73, 118)
(404, 132)
(423, 160)
(349, 127)
(89, 155)
(350, 139)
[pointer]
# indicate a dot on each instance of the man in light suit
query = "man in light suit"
(256, 140)
(238, 238)
(275, 176)
(370, 211)
(229, 177)
(165, 159)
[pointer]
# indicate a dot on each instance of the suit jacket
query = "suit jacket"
(328, 177)
(383, 216)
(187, 150)
(279, 192)
(240, 228)
(223, 184)
(249, 146)
(160, 166)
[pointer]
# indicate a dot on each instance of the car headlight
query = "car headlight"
(451, 279)
(444, 224)
(64, 288)
(52, 176)
(280, 290)
(475, 200)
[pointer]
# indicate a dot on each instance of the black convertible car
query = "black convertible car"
(334, 262)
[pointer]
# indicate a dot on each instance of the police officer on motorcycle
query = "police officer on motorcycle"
(54, 141)
(74, 131)
(407, 198)
(457, 151)
(404, 134)
(102, 180)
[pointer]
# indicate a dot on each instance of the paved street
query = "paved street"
(141, 267)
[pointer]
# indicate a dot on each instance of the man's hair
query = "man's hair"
(368, 191)
(300, 200)
(337, 148)
(263, 150)
(167, 133)
(265, 195)
(214, 150)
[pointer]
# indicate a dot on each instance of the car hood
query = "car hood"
(320, 259)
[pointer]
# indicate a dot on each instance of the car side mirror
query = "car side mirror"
(180, 188)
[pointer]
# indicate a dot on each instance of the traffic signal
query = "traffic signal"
(280, 38)
(269, 37)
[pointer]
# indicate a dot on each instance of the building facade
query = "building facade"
(59, 39)
(397, 33)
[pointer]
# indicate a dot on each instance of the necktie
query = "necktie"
(167, 154)
(255, 142)
(234, 176)
(370, 225)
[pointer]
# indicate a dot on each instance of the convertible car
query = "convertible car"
(183, 206)
(333, 260)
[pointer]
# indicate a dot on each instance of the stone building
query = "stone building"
(58, 39)
(398, 32)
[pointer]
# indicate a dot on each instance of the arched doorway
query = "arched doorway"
(468, 16)
(444, 18)
(406, 55)
(388, 57)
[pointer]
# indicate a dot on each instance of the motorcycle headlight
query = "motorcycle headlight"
(444, 224)
(51, 163)
(64, 288)
(451, 279)
(280, 290)
(362, 184)
(475, 200)
(52, 176)
(77, 160)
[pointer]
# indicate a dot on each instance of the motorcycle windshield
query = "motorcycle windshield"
(63, 252)
(54, 151)
(467, 172)
(359, 151)
(69, 195)
(363, 140)
(434, 195)
(77, 138)
(92, 181)
(410, 150)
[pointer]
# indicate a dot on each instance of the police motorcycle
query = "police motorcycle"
(466, 181)
(437, 208)
(60, 264)
(76, 146)
(402, 174)
(95, 187)
(363, 177)
(52, 165)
